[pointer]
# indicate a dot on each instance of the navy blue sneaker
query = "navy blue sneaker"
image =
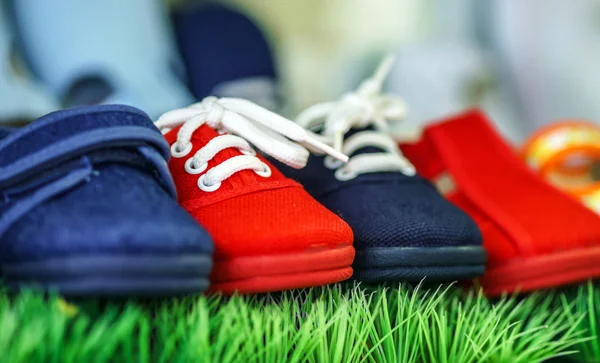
(404, 230)
(226, 55)
(87, 208)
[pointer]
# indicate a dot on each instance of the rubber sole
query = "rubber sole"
(540, 272)
(113, 276)
(414, 264)
(267, 273)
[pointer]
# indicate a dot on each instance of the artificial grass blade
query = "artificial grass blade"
(332, 324)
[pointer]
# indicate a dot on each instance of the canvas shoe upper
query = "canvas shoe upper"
(268, 232)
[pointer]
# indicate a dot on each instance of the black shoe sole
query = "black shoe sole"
(113, 276)
(414, 264)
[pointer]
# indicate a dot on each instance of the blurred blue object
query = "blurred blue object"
(226, 55)
(21, 98)
(104, 51)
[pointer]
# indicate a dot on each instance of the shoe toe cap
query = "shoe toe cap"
(270, 222)
(409, 216)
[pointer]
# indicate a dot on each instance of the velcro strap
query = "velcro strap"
(67, 134)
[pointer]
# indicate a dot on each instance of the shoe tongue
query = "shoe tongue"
(204, 134)
(367, 149)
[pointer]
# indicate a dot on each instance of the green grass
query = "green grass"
(335, 324)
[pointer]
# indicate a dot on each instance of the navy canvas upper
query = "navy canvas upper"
(90, 181)
(388, 209)
(218, 45)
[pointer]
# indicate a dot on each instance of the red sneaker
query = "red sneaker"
(536, 236)
(269, 234)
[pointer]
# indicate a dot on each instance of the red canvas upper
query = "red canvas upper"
(253, 215)
(519, 214)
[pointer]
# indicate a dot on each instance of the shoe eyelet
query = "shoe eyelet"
(249, 152)
(264, 173)
(189, 167)
(180, 153)
(207, 188)
(332, 163)
(342, 174)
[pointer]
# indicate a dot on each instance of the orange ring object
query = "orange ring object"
(563, 153)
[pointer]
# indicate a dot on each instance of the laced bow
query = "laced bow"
(366, 106)
(243, 122)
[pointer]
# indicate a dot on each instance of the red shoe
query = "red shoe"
(269, 234)
(535, 235)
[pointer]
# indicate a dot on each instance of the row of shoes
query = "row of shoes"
(95, 201)
(91, 206)
(232, 197)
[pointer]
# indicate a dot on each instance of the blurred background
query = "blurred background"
(527, 63)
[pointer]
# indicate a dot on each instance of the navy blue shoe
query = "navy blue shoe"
(87, 208)
(404, 230)
(226, 55)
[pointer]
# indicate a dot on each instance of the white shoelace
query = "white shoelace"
(364, 107)
(275, 135)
